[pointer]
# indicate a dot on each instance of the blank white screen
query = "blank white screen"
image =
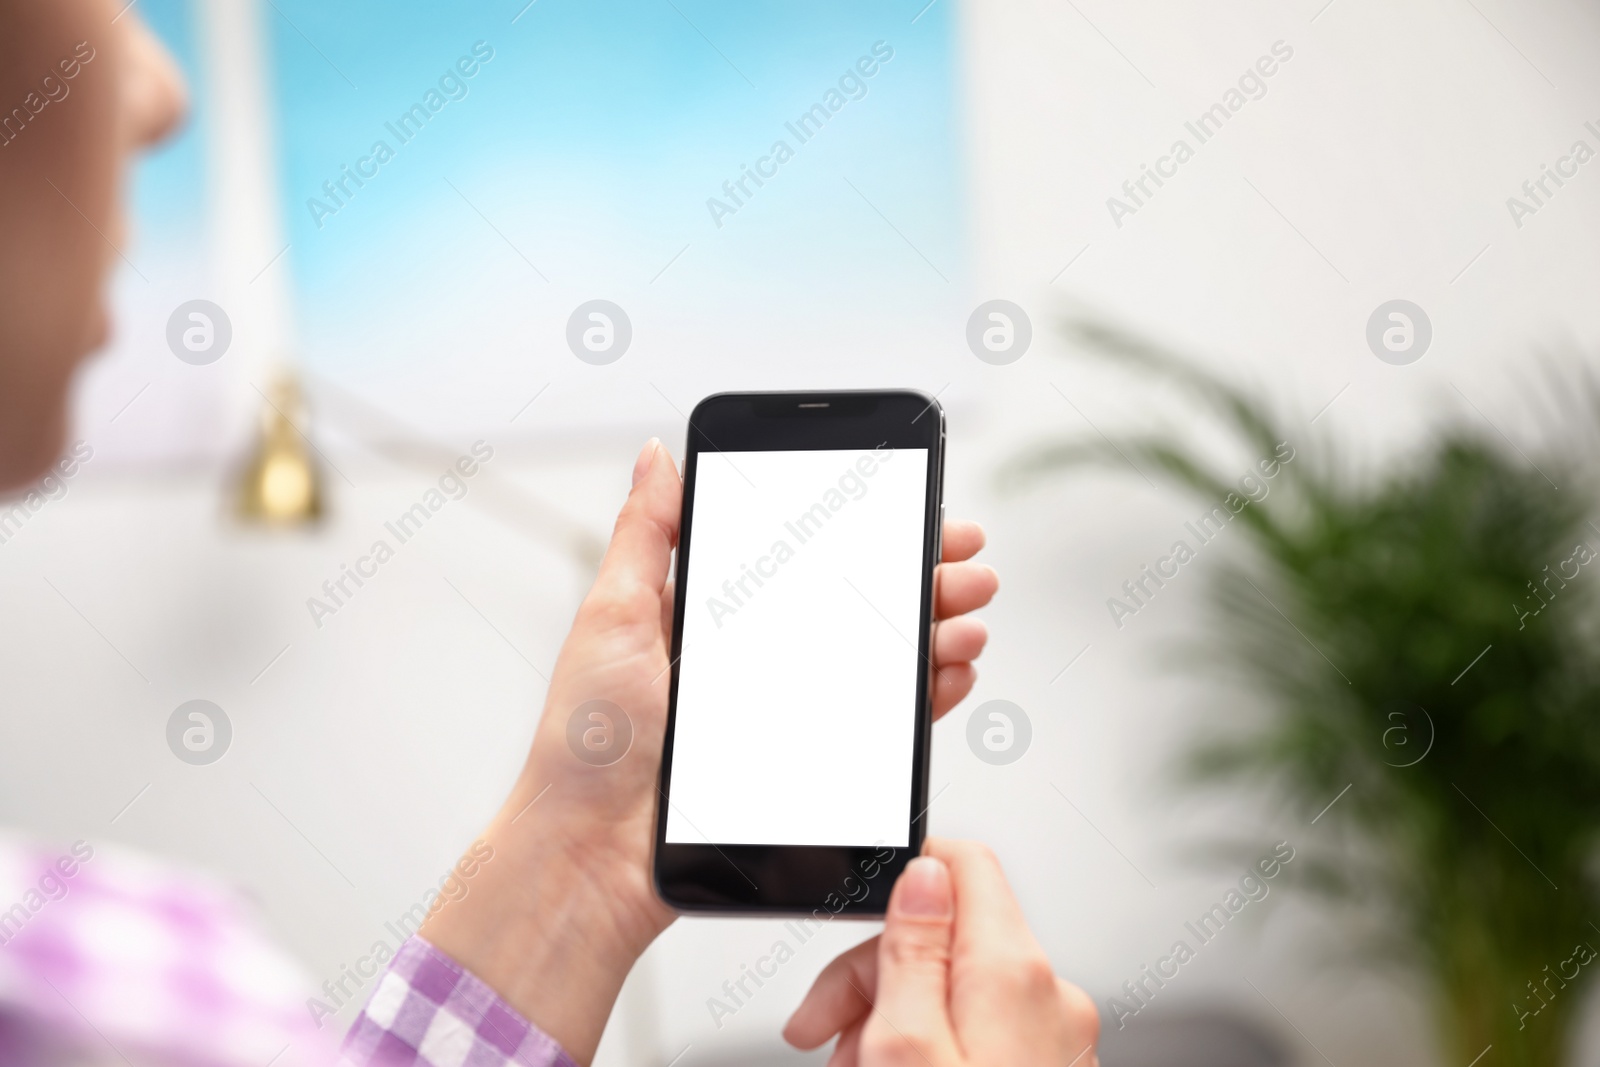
(796, 708)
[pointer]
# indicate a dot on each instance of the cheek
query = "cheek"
(77, 216)
(97, 327)
(54, 262)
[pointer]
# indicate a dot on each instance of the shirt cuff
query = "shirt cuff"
(426, 1011)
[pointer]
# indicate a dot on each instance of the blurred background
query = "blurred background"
(428, 308)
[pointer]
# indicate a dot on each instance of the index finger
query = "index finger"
(840, 998)
(962, 540)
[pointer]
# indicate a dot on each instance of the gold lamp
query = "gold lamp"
(281, 484)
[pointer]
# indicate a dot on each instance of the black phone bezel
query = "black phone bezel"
(803, 879)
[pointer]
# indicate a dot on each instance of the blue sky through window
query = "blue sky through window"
(578, 162)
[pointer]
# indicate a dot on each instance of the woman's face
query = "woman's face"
(83, 86)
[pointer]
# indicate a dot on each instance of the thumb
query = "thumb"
(913, 995)
(640, 553)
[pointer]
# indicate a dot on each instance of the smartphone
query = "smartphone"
(794, 773)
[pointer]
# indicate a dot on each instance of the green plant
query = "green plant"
(1386, 623)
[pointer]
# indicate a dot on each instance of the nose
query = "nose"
(154, 89)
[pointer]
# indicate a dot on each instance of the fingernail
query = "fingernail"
(924, 889)
(647, 456)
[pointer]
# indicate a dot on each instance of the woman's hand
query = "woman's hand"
(955, 979)
(556, 919)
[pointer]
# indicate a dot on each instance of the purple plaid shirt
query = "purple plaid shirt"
(107, 957)
(426, 1010)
